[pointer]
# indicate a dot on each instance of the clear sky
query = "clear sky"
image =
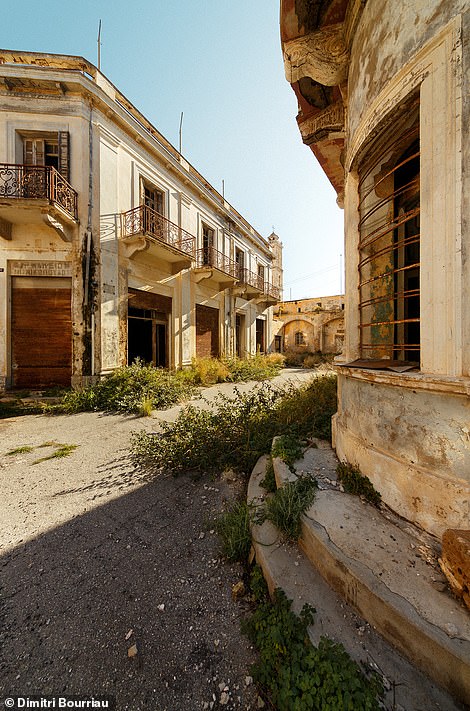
(219, 62)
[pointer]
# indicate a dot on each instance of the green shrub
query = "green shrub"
(294, 359)
(298, 676)
(135, 388)
(269, 480)
(232, 435)
(233, 527)
(236, 431)
(208, 371)
(285, 508)
(258, 586)
(287, 447)
(258, 367)
(356, 483)
(312, 360)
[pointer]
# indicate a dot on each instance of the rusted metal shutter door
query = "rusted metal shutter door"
(207, 331)
(41, 331)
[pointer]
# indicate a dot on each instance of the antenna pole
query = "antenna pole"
(223, 189)
(99, 46)
(181, 132)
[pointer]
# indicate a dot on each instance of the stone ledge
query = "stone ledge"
(412, 380)
(443, 658)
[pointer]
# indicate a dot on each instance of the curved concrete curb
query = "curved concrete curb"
(444, 659)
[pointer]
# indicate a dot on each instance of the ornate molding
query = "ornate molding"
(321, 55)
(317, 127)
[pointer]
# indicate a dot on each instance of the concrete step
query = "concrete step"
(381, 568)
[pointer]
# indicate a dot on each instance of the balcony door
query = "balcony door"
(207, 244)
(153, 200)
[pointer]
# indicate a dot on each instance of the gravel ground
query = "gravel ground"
(99, 562)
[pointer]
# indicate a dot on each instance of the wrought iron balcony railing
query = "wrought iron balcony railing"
(210, 257)
(250, 278)
(144, 220)
(33, 182)
(272, 291)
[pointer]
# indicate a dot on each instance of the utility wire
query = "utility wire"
(308, 276)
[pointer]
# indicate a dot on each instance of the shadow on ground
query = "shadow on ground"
(70, 597)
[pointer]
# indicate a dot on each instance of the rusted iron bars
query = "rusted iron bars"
(145, 220)
(38, 182)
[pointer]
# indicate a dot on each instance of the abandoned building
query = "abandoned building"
(383, 94)
(112, 246)
(314, 325)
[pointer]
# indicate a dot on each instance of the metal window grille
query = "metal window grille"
(389, 250)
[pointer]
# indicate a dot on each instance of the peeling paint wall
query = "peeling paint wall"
(413, 444)
(388, 36)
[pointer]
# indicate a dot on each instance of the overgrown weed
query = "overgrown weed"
(287, 447)
(237, 430)
(269, 480)
(356, 483)
(207, 371)
(137, 388)
(233, 528)
(296, 675)
(60, 451)
(285, 508)
(20, 450)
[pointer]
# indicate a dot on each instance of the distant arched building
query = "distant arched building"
(310, 325)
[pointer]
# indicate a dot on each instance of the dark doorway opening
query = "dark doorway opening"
(239, 335)
(146, 338)
(260, 346)
(139, 340)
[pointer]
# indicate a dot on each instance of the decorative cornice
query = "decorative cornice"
(321, 55)
(330, 120)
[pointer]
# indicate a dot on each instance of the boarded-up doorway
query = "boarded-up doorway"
(207, 331)
(41, 331)
(147, 328)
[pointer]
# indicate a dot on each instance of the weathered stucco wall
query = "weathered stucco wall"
(388, 35)
(409, 437)
(413, 444)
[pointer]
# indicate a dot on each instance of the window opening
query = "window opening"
(389, 247)
(207, 244)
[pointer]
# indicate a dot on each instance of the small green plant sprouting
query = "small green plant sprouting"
(233, 527)
(62, 450)
(258, 585)
(356, 483)
(20, 450)
(298, 676)
(285, 508)
(146, 406)
(269, 480)
(288, 448)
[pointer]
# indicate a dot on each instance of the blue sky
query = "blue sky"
(220, 63)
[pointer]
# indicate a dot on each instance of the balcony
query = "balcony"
(214, 265)
(37, 190)
(143, 228)
(250, 285)
(271, 294)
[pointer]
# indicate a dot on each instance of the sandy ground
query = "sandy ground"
(97, 557)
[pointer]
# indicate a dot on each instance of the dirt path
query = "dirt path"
(91, 550)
